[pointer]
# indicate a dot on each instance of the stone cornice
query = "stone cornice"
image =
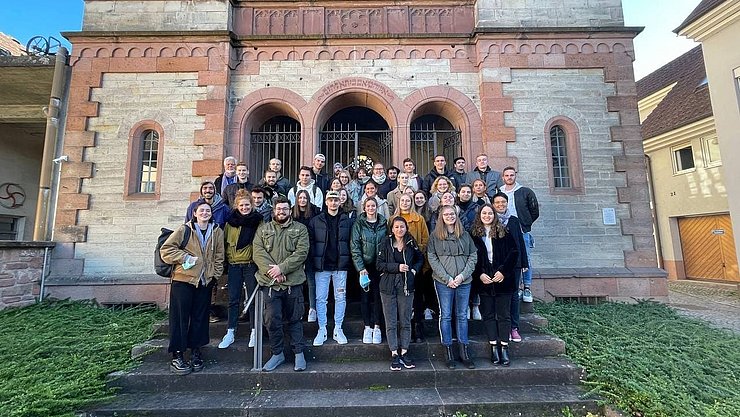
(133, 36)
(571, 31)
(683, 133)
(713, 21)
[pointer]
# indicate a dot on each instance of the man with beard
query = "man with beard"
(282, 184)
(280, 250)
(390, 183)
(269, 183)
(262, 203)
(228, 177)
(219, 208)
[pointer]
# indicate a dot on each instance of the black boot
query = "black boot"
(414, 338)
(495, 356)
(178, 365)
(450, 357)
(419, 327)
(505, 361)
(196, 360)
(465, 357)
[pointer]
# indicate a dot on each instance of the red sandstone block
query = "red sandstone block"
(497, 104)
(629, 116)
(599, 286)
(536, 60)
(212, 78)
(79, 95)
(182, 64)
(488, 90)
(79, 138)
(81, 64)
(514, 61)
(133, 65)
(619, 73)
(74, 201)
(83, 79)
(100, 65)
(204, 107)
(207, 168)
(625, 132)
(658, 287)
(507, 134)
(632, 162)
(640, 259)
(209, 137)
(70, 185)
(87, 108)
(633, 287)
(588, 60)
(76, 169)
(76, 123)
(629, 194)
(66, 217)
(75, 153)
(616, 103)
(216, 121)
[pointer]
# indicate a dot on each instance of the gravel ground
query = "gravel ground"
(718, 304)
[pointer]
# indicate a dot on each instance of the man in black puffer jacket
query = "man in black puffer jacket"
(330, 233)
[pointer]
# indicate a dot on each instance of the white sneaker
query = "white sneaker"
(468, 313)
(377, 336)
(428, 314)
(367, 336)
(320, 337)
(476, 313)
(253, 338)
(311, 315)
(227, 340)
(339, 336)
(527, 295)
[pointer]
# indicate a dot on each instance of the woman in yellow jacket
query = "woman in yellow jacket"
(240, 228)
(196, 267)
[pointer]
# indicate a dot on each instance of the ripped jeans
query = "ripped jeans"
(339, 282)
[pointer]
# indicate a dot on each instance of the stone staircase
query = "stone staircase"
(355, 380)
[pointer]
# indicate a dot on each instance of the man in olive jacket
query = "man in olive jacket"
(280, 249)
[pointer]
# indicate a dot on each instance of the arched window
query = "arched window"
(559, 152)
(144, 161)
(563, 149)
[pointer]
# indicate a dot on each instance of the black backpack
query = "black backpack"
(161, 267)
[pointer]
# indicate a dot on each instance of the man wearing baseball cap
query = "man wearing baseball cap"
(330, 234)
(322, 180)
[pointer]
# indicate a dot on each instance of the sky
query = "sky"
(654, 47)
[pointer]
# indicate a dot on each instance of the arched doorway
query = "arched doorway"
(356, 136)
(278, 137)
(431, 135)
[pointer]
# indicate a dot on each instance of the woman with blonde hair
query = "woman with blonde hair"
(440, 186)
(452, 255)
(240, 229)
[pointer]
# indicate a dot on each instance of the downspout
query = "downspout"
(51, 137)
(58, 86)
(653, 210)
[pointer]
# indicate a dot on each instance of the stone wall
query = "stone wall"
(121, 234)
(154, 15)
(548, 13)
(21, 264)
(570, 232)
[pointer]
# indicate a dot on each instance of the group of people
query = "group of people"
(453, 242)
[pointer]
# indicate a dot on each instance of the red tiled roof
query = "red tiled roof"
(703, 7)
(687, 102)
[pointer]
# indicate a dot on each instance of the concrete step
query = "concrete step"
(527, 401)
(228, 376)
(532, 345)
(353, 326)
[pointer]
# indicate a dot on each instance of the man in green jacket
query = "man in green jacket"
(280, 249)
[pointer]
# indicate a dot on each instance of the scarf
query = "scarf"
(203, 239)
(379, 179)
(504, 217)
(226, 181)
(247, 225)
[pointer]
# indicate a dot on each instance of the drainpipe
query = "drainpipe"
(653, 210)
(40, 231)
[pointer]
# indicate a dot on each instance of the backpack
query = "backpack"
(161, 267)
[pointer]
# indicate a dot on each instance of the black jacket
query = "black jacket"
(515, 228)
(527, 207)
(432, 175)
(319, 237)
(390, 276)
(505, 256)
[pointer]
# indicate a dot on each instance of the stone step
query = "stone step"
(521, 401)
(353, 326)
(532, 345)
(229, 376)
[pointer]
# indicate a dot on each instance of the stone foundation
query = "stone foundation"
(21, 265)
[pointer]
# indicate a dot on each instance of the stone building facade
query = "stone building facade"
(215, 77)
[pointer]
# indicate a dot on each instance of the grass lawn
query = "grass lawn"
(55, 355)
(647, 360)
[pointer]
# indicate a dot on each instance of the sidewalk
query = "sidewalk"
(718, 304)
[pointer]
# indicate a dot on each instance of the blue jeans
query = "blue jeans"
(449, 298)
(528, 244)
(339, 282)
(515, 299)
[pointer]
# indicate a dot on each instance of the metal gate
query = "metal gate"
(426, 142)
(276, 140)
(354, 148)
